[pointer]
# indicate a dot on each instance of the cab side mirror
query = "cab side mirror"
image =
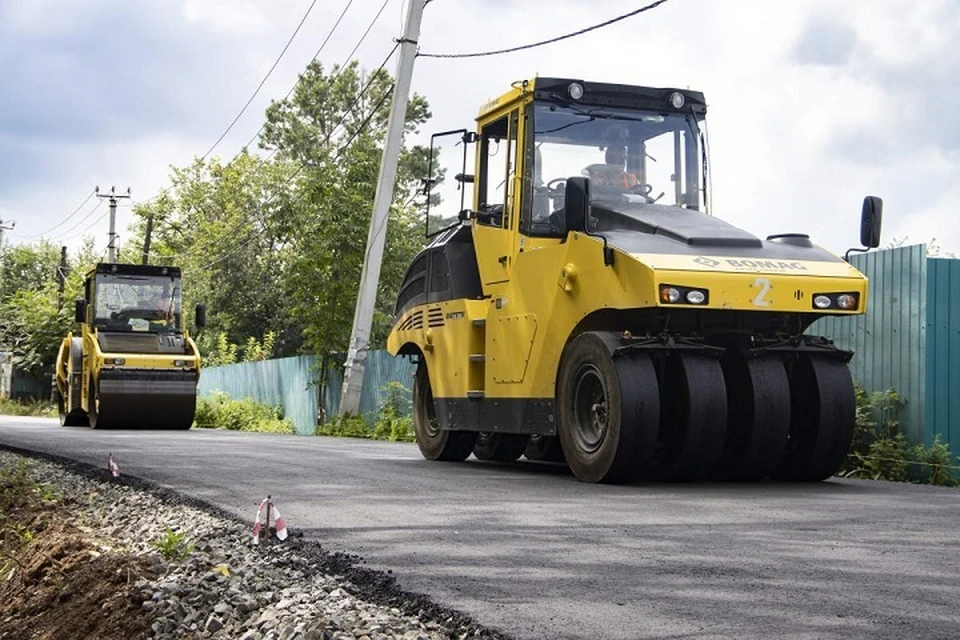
(200, 316)
(576, 204)
(80, 310)
(870, 220)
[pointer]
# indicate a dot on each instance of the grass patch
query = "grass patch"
(391, 422)
(220, 411)
(28, 408)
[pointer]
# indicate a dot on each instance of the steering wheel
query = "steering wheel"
(642, 190)
(556, 186)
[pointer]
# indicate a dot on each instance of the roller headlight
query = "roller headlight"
(847, 302)
(575, 90)
(669, 294)
(674, 294)
(179, 363)
(677, 100)
(116, 361)
(822, 302)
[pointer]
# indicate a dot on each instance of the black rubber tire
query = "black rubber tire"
(72, 419)
(758, 416)
(822, 419)
(93, 412)
(499, 447)
(608, 411)
(544, 449)
(434, 442)
(693, 421)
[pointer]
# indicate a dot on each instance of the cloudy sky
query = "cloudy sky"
(812, 103)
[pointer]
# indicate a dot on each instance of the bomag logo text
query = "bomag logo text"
(772, 265)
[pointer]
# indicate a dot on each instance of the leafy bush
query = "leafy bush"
(880, 450)
(30, 408)
(391, 422)
(220, 411)
(393, 418)
(173, 545)
(349, 426)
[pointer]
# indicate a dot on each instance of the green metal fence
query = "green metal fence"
(889, 341)
(294, 385)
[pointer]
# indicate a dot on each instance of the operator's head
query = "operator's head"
(616, 155)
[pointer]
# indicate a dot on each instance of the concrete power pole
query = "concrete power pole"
(5, 226)
(112, 247)
(376, 238)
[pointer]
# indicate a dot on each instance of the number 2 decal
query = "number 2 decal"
(764, 285)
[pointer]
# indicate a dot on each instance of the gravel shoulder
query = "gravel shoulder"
(90, 568)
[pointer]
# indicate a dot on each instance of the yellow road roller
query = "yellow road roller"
(588, 306)
(132, 364)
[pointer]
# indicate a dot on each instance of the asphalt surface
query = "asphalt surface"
(528, 550)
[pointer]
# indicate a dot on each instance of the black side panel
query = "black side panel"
(413, 291)
(498, 415)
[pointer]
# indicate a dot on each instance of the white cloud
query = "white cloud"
(796, 140)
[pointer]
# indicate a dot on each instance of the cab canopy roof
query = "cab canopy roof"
(567, 91)
(134, 270)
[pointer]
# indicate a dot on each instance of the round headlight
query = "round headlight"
(847, 301)
(822, 302)
(575, 90)
(695, 296)
(677, 100)
(669, 294)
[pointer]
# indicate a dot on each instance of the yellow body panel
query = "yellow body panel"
(537, 290)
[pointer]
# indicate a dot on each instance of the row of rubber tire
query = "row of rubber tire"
(624, 416)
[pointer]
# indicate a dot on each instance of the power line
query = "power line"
(65, 235)
(262, 82)
(91, 225)
(289, 179)
(315, 56)
(652, 5)
(62, 222)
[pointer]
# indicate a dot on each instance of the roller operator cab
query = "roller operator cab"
(588, 308)
(132, 364)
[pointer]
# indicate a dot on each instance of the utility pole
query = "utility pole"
(5, 226)
(112, 247)
(376, 238)
(146, 239)
(61, 276)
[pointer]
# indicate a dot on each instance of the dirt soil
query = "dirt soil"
(57, 581)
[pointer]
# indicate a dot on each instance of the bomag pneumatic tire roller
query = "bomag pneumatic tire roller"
(133, 365)
(588, 308)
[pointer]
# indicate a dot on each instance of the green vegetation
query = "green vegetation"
(173, 545)
(880, 449)
(220, 411)
(272, 243)
(29, 408)
(391, 422)
(19, 492)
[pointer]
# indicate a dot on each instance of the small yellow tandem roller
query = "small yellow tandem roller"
(588, 307)
(132, 365)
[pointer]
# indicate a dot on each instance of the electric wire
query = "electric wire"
(89, 227)
(315, 56)
(579, 32)
(62, 222)
(343, 148)
(66, 235)
(262, 82)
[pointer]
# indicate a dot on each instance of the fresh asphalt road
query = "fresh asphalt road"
(528, 550)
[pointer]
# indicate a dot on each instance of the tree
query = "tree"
(334, 126)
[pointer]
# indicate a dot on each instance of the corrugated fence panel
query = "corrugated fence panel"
(290, 383)
(889, 341)
(380, 370)
(943, 351)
